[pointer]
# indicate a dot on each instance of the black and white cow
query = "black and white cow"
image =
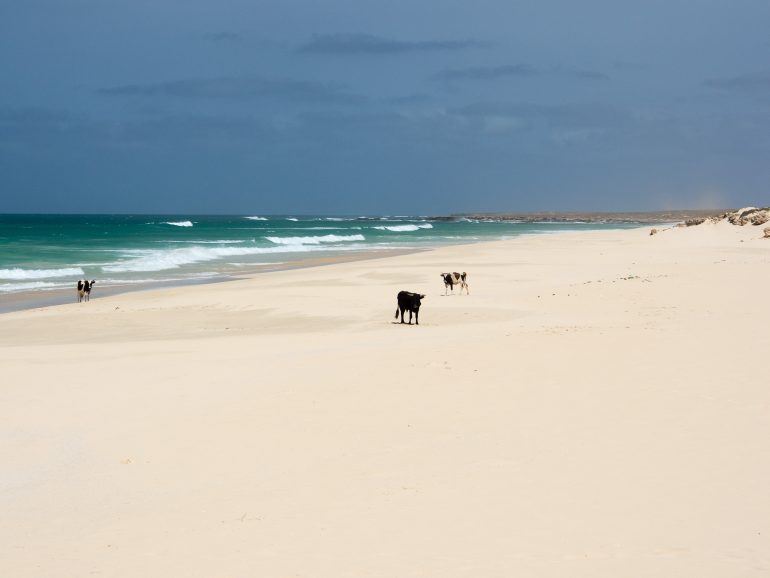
(84, 289)
(409, 302)
(87, 286)
(452, 279)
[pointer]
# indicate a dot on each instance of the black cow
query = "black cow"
(409, 302)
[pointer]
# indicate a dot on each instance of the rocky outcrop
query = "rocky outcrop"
(653, 232)
(767, 232)
(749, 215)
(746, 216)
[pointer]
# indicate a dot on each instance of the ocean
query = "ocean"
(49, 252)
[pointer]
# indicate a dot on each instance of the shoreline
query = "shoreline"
(201, 260)
(27, 300)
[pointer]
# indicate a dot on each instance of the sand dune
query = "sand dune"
(598, 406)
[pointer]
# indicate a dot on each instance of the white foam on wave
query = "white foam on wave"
(256, 218)
(404, 228)
(217, 242)
(30, 286)
(179, 223)
(311, 229)
(314, 240)
(292, 219)
(163, 259)
(18, 274)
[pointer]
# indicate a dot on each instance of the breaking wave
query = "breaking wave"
(179, 223)
(18, 274)
(32, 285)
(199, 242)
(164, 259)
(314, 240)
(404, 228)
(256, 218)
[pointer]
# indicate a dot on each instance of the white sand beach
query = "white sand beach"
(598, 406)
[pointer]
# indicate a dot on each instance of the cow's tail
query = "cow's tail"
(396, 315)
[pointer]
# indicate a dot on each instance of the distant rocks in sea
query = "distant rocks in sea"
(652, 217)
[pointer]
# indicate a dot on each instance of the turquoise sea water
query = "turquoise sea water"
(44, 252)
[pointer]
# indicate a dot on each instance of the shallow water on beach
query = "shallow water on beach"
(48, 252)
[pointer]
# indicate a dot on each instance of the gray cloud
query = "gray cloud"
(561, 122)
(240, 88)
(47, 127)
(753, 82)
(224, 36)
(627, 65)
(43, 127)
(344, 44)
(417, 98)
(488, 72)
(514, 71)
(582, 74)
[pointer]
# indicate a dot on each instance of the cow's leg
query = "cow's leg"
(417, 317)
(410, 317)
(402, 315)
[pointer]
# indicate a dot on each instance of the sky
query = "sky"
(397, 107)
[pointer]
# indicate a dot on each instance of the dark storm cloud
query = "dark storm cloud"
(240, 88)
(418, 111)
(46, 127)
(43, 126)
(754, 82)
(344, 44)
